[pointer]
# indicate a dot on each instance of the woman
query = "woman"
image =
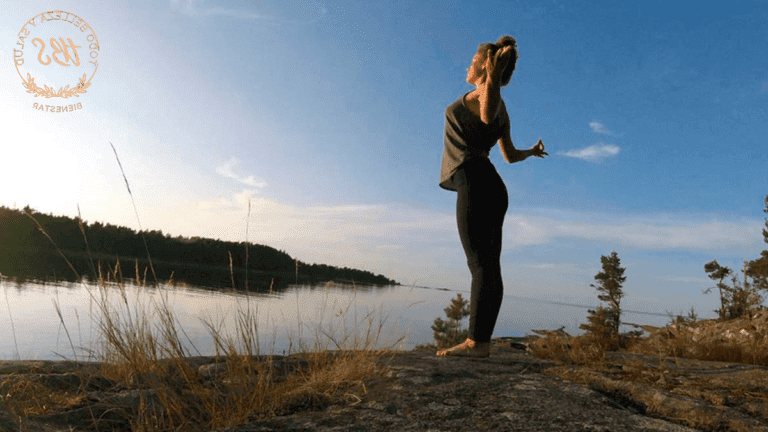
(473, 124)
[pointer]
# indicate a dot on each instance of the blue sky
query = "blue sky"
(328, 118)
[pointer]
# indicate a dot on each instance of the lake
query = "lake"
(301, 317)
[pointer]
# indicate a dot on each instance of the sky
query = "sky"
(326, 120)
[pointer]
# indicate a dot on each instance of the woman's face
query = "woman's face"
(472, 76)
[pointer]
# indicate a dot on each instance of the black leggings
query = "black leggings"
(480, 208)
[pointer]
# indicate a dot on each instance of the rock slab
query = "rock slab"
(505, 392)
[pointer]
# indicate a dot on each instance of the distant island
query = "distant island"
(120, 252)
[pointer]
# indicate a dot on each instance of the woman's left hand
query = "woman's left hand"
(538, 149)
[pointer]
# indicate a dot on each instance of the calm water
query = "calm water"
(302, 316)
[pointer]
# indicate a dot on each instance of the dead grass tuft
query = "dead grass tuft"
(582, 350)
(743, 340)
(28, 395)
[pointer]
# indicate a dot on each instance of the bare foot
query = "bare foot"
(468, 348)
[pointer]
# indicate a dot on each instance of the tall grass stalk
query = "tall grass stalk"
(13, 329)
(61, 320)
(85, 238)
(231, 271)
(298, 313)
(136, 211)
(247, 222)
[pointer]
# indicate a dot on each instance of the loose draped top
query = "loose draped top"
(467, 138)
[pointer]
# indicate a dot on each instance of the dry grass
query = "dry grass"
(27, 396)
(659, 377)
(582, 350)
(744, 340)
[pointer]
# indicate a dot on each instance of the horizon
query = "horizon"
(326, 118)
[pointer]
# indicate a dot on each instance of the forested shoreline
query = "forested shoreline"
(26, 253)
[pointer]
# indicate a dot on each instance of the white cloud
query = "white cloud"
(541, 266)
(593, 153)
(599, 128)
(686, 279)
(234, 13)
(206, 205)
(183, 6)
(226, 169)
(652, 232)
(194, 8)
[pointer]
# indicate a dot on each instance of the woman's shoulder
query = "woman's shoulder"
(457, 111)
(456, 104)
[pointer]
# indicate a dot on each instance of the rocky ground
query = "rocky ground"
(510, 391)
(506, 392)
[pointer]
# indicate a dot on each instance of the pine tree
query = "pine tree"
(449, 333)
(741, 297)
(717, 272)
(599, 323)
(609, 283)
(758, 268)
(746, 297)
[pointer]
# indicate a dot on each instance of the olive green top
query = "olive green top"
(467, 138)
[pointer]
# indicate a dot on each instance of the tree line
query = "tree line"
(27, 251)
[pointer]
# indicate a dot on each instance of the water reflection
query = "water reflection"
(47, 266)
(300, 317)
